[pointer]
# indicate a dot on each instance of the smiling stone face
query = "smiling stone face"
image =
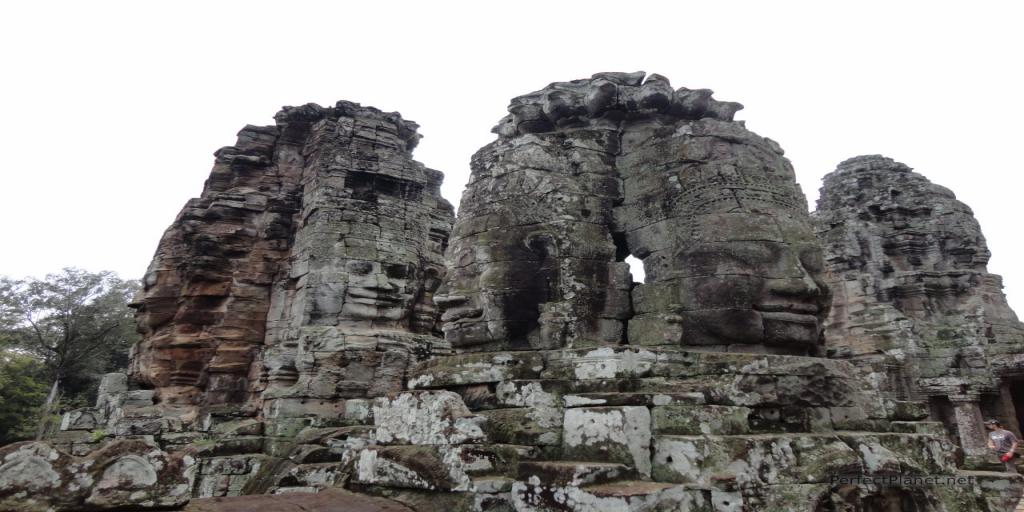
(588, 172)
(379, 290)
(764, 289)
(731, 258)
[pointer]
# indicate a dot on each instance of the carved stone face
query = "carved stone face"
(495, 291)
(175, 370)
(772, 293)
(379, 291)
(462, 309)
(425, 312)
(367, 291)
(747, 279)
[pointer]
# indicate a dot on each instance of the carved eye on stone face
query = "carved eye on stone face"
(728, 258)
(752, 254)
(359, 268)
(431, 280)
(398, 271)
(813, 260)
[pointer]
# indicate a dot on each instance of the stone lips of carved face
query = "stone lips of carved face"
(752, 292)
(462, 319)
(425, 312)
(379, 291)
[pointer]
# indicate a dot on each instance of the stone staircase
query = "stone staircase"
(638, 428)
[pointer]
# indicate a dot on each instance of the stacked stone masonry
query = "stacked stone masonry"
(915, 307)
(316, 321)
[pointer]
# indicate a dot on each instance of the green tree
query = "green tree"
(22, 389)
(77, 324)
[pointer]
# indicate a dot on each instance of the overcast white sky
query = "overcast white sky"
(112, 110)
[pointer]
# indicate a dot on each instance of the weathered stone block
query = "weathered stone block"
(131, 473)
(425, 418)
(701, 419)
(618, 434)
(523, 426)
(417, 467)
(476, 369)
(763, 459)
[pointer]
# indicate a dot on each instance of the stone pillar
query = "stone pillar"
(1007, 409)
(971, 429)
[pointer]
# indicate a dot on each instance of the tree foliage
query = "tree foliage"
(75, 324)
(22, 391)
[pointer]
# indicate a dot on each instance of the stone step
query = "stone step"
(644, 362)
(328, 500)
(907, 410)
(617, 362)
(523, 426)
(475, 368)
(934, 428)
(313, 475)
(494, 459)
(700, 419)
(443, 467)
(650, 399)
(772, 459)
(492, 484)
(232, 446)
(625, 495)
(627, 488)
(574, 473)
(723, 389)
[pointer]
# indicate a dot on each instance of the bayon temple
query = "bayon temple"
(319, 325)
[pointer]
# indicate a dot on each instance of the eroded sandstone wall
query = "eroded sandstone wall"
(908, 264)
(313, 252)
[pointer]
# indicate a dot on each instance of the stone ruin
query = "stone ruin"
(915, 306)
(315, 321)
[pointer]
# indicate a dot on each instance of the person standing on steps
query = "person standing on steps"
(1003, 443)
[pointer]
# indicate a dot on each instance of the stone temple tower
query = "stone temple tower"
(915, 306)
(303, 332)
(704, 388)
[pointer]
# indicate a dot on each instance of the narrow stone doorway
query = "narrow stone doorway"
(1016, 388)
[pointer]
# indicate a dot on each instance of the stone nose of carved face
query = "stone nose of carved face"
(373, 285)
(798, 298)
(803, 286)
(381, 283)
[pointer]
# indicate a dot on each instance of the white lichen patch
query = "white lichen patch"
(371, 469)
(607, 363)
(612, 429)
(28, 470)
(578, 401)
(130, 471)
(543, 406)
(425, 418)
(457, 468)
